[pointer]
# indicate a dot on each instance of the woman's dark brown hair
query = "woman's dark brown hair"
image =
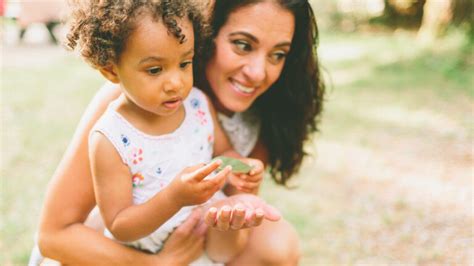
(291, 108)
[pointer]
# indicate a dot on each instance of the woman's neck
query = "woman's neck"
(221, 109)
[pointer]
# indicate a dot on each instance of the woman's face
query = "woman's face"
(251, 48)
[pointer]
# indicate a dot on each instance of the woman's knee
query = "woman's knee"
(276, 243)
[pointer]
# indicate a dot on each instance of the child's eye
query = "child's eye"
(278, 57)
(184, 64)
(242, 45)
(154, 70)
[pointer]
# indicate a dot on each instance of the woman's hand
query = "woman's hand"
(194, 185)
(185, 244)
(239, 212)
(248, 183)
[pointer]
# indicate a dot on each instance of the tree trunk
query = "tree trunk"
(436, 16)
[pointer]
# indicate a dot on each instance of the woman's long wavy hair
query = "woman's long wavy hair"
(290, 110)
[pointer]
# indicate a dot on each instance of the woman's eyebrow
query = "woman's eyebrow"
(254, 39)
(281, 44)
(246, 34)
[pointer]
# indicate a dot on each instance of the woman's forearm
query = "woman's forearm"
(78, 244)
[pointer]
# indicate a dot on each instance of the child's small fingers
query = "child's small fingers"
(243, 177)
(257, 166)
(255, 177)
(248, 185)
(202, 172)
(244, 190)
(221, 176)
(216, 182)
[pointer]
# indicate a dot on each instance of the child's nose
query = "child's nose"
(174, 83)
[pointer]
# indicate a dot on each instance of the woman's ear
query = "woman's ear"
(110, 73)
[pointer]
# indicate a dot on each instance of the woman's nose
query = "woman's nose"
(255, 69)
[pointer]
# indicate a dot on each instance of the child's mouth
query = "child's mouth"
(172, 104)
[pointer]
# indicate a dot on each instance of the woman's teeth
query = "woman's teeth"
(243, 88)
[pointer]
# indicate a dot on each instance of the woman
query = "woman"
(262, 73)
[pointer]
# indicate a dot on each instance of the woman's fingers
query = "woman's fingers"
(210, 217)
(201, 229)
(223, 218)
(187, 227)
(250, 218)
(259, 214)
(271, 213)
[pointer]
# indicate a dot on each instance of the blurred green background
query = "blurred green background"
(390, 176)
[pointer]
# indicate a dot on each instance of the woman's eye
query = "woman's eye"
(278, 57)
(242, 45)
(183, 65)
(154, 70)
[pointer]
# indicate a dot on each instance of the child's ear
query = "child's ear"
(110, 73)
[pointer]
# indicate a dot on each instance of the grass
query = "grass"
(389, 182)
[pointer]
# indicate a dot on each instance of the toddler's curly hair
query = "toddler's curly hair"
(100, 28)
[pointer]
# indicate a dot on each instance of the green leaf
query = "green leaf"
(238, 167)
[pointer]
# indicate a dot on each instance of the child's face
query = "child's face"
(154, 69)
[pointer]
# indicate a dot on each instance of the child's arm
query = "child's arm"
(113, 190)
(238, 183)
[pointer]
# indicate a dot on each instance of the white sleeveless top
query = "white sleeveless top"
(243, 130)
(155, 160)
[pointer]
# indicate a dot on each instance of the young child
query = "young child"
(147, 150)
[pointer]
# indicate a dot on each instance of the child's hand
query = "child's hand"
(191, 187)
(249, 182)
(239, 212)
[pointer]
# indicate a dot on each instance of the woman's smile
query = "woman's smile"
(242, 89)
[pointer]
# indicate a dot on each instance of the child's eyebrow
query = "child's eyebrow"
(158, 58)
(190, 52)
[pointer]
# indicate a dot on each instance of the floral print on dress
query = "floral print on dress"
(201, 116)
(195, 103)
(137, 180)
(136, 155)
(125, 140)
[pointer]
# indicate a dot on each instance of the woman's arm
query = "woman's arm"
(70, 198)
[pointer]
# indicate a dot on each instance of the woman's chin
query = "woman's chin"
(237, 107)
